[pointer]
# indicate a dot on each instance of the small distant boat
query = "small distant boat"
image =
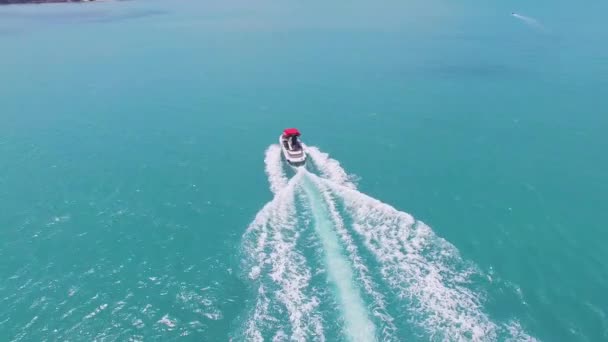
(292, 148)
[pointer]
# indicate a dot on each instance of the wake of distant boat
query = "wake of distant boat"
(327, 262)
(529, 21)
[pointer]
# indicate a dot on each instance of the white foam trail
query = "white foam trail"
(529, 21)
(270, 241)
(518, 334)
(357, 325)
(379, 309)
(252, 331)
(423, 268)
(416, 264)
(274, 168)
(425, 271)
(329, 168)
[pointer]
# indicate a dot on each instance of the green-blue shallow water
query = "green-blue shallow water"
(136, 171)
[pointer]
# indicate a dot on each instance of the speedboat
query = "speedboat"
(292, 148)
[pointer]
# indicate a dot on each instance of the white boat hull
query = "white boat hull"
(296, 156)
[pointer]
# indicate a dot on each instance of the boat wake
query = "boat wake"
(530, 21)
(327, 262)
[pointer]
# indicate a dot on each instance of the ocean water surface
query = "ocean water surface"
(454, 190)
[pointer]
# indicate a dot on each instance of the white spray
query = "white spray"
(422, 268)
(529, 21)
(277, 266)
(423, 272)
(358, 326)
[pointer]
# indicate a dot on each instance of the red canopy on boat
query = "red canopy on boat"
(288, 132)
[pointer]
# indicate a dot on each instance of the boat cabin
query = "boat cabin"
(290, 139)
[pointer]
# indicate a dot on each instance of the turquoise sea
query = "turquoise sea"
(455, 188)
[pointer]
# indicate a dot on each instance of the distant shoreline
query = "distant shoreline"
(17, 2)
